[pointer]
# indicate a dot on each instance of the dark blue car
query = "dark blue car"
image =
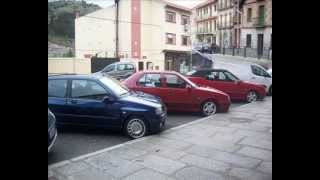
(101, 101)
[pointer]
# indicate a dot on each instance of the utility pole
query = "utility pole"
(117, 27)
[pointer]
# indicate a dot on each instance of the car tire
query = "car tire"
(251, 96)
(270, 91)
(135, 127)
(208, 108)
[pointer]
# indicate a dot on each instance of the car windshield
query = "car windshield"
(115, 86)
(188, 81)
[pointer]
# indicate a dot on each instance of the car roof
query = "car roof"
(158, 71)
(210, 69)
(74, 76)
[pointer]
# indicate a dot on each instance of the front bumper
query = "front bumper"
(158, 123)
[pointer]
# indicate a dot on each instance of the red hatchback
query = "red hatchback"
(179, 93)
(227, 82)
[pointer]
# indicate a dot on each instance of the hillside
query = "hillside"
(61, 15)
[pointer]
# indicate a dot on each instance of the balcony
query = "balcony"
(258, 22)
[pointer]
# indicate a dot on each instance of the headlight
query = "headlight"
(159, 111)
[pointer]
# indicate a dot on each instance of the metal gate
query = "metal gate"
(98, 64)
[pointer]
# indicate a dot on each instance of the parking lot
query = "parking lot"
(73, 142)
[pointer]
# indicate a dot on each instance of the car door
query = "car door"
(151, 83)
(220, 81)
(260, 76)
(176, 94)
(57, 94)
(88, 107)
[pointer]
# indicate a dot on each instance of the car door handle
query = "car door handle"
(253, 77)
(73, 101)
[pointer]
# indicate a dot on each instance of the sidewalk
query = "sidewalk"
(228, 146)
(262, 62)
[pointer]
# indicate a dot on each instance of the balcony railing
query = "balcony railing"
(258, 22)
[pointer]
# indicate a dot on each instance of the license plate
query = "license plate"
(52, 132)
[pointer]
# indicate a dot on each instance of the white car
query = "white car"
(270, 71)
(248, 72)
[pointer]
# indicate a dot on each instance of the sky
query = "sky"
(186, 3)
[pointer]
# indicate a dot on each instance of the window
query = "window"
(171, 16)
(129, 67)
(215, 7)
(249, 15)
(150, 80)
(185, 40)
(121, 67)
(171, 38)
(230, 76)
(173, 81)
(149, 65)
(109, 68)
(57, 88)
(256, 70)
(249, 40)
(210, 10)
(184, 19)
(87, 90)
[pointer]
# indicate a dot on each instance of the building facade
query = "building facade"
(225, 22)
(206, 22)
(256, 26)
(154, 34)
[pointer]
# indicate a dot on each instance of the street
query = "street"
(78, 141)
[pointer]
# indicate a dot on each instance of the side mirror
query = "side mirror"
(108, 99)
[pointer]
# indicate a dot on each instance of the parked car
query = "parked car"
(52, 131)
(101, 101)
(270, 71)
(179, 93)
(202, 47)
(227, 82)
(250, 72)
(118, 70)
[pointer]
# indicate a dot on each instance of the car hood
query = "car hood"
(143, 98)
(210, 89)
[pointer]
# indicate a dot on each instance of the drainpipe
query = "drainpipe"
(117, 27)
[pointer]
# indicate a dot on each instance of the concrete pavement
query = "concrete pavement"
(234, 145)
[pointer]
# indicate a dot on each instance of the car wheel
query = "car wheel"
(251, 96)
(135, 127)
(208, 108)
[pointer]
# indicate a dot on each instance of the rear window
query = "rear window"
(57, 88)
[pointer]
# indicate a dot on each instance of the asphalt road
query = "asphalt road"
(73, 142)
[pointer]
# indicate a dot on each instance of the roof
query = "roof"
(204, 3)
(211, 69)
(176, 6)
(73, 76)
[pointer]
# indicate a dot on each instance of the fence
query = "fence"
(68, 65)
(247, 52)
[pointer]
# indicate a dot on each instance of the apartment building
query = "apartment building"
(206, 22)
(154, 34)
(256, 26)
(225, 22)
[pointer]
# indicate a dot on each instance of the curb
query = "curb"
(65, 162)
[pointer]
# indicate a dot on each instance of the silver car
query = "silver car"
(118, 70)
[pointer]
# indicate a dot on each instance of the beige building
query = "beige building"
(155, 34)
(206, 22)
(256, 26)
(225, 25)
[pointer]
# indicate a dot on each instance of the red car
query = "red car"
(227, 82)
(178, 93)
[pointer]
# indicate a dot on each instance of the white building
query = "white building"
(225, 25)
(155, 34)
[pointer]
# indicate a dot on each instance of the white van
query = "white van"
(248, 72)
